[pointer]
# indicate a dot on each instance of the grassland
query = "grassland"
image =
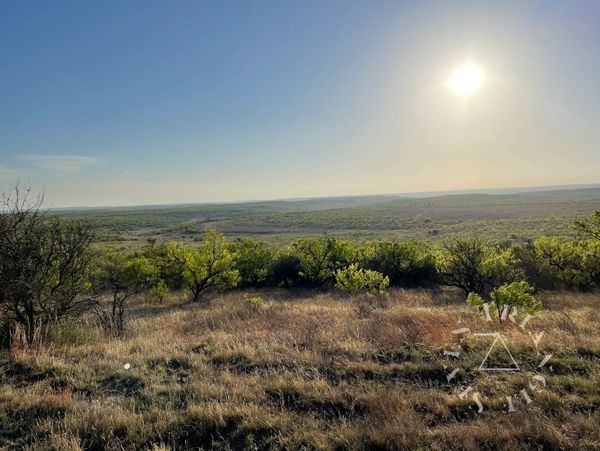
(500, 216)
(315, 369)
(306, 370)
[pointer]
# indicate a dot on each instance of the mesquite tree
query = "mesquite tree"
(122, 277)
(43, 262)
(477, 267)
(208, 266)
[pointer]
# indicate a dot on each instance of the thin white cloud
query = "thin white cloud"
(5, 171)
(58, 163)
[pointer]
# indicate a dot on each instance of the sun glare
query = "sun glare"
(466, 79)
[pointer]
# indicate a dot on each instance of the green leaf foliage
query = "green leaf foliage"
(254, 261)
(319, 259)
(211, 265)
(515, 294)
(576, 264)
(160, 291)
(476, 266)
(407, 263)
(354, 280)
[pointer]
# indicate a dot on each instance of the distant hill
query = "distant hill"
(515, 215)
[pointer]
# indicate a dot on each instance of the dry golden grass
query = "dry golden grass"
(306, 370)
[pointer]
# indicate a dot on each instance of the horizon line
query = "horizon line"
(424, 194)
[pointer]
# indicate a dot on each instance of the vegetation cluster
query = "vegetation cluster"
(49, 270)
(193, 346)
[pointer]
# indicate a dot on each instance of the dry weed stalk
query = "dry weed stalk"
(21, 347)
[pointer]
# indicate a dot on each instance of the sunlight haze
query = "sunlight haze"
(120, 103)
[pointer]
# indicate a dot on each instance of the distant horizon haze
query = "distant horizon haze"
(418, 194)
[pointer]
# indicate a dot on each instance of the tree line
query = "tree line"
(49, 268)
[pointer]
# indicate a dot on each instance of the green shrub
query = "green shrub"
(254, 261)
(170, 270)
(515, 294)
(532, 264)
(122, 276)
(407, 263)
(354, 280)
(208, 266)
(254, 302)
(576, 264)
(44, 260)
(160, 291)
(477, 267)
(319, 259)
(285, 271)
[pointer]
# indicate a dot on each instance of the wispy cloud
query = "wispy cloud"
(59, 163)
(5, 172)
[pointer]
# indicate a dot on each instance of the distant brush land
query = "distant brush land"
(504, 216)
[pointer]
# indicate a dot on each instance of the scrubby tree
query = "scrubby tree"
(43, 263)
(253, 260)
(476, 267)
(354, 279)
(160, 291)
(320, 258)
(574, 263)
(285, 271)
(122, 276)
(211, 265)
(589, 227)
(461, 263)
(532, 265)
(171, 270)
(407, 263)
(510, 298)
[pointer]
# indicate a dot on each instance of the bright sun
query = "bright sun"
(466, 79)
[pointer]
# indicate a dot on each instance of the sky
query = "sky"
(152, 102)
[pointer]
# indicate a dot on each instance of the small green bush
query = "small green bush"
(319, 259)
(406, 263)
(515, 294)
(254, 260)
(254, 302)
(477, 266)
(160, 291)
(353, 279)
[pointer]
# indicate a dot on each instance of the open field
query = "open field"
(306, 370)
(501, 216)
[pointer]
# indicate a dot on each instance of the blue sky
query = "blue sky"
(115, 103)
